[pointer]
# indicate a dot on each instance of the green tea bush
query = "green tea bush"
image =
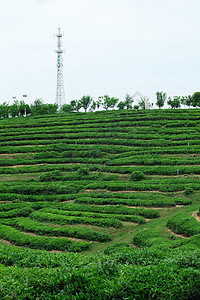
(39, 242)
(126, 218)
(137, 176)
(83, 171)
(129, 202)
(184, 224)
(28, 225)
(64, 220)
(117, 209)
(188, 191)
(18, 212)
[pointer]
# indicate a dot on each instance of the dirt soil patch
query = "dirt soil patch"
(196, 216)
(178, 235)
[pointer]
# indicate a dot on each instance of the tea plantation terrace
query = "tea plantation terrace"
(100, 205)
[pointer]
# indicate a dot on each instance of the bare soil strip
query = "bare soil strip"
(178, 235)
(196, 216)
(134, 246)
(65, 237)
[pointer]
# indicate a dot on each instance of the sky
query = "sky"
(112, 47)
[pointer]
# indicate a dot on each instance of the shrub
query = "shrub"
(40, 242)
(188, 191)
(137, 176)
(64, 220)
(83, 171)
(184, 224)
(50, 176)
(28, 225)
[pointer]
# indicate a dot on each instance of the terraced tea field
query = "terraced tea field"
(119, 182)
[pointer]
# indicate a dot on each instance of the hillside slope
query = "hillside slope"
(125, 183)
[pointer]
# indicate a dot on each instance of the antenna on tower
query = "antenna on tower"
(60, 93)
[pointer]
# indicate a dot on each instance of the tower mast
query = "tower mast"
(60, 93)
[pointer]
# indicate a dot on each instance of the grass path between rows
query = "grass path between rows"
(126, 234)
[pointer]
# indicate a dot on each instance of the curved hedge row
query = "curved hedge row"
(185, 224)
(28, 225)
(126, 218)
(40, 242)
(64, 220)
(117, 209)
(128, 202)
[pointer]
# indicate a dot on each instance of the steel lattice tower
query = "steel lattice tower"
(60, 93)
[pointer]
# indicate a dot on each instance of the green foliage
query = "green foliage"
(24, 109)
(196, 99)
(28, 225)
(66, 219)
(184, 224)
(188, 191)
(83, 171)
(39, 242)
(39, 108)
(67, 108)
(175, 102)
(161, 98)
(108, 102)
(50, 176)
(14, 109)
(4, 110)
(142, 102)
(65, 179)
(85, 102)
(75, 105)
(130, 202)
(121, 105)
(137, 176)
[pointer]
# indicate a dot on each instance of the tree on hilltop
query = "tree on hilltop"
(128, 101)
(4, 110)
(85, 102)
(161, 98)
(75, 105)
(175, 102)
(196, 99)
(108, 102)
(14, 109)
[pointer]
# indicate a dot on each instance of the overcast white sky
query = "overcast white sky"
(112, 47)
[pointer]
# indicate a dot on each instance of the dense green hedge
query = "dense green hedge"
(18, 212)
(64, 220)
(129, 202)
(40, 242)
(150, 274)
(128, 218)
(117, 209)
(28, 225)
(185, 224)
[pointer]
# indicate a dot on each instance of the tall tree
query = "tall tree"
(175, 102)
(161, 98)
(14, 109)
(93, 105)
(108, 102)
(67, 108)
(36, 107)
(121, 105)
(86, 101)
(4, 110)
(189, 100)
(76, 105)
(24, 109)
(196, 99)
(142, 102)
(52, 108)
(128, 101)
